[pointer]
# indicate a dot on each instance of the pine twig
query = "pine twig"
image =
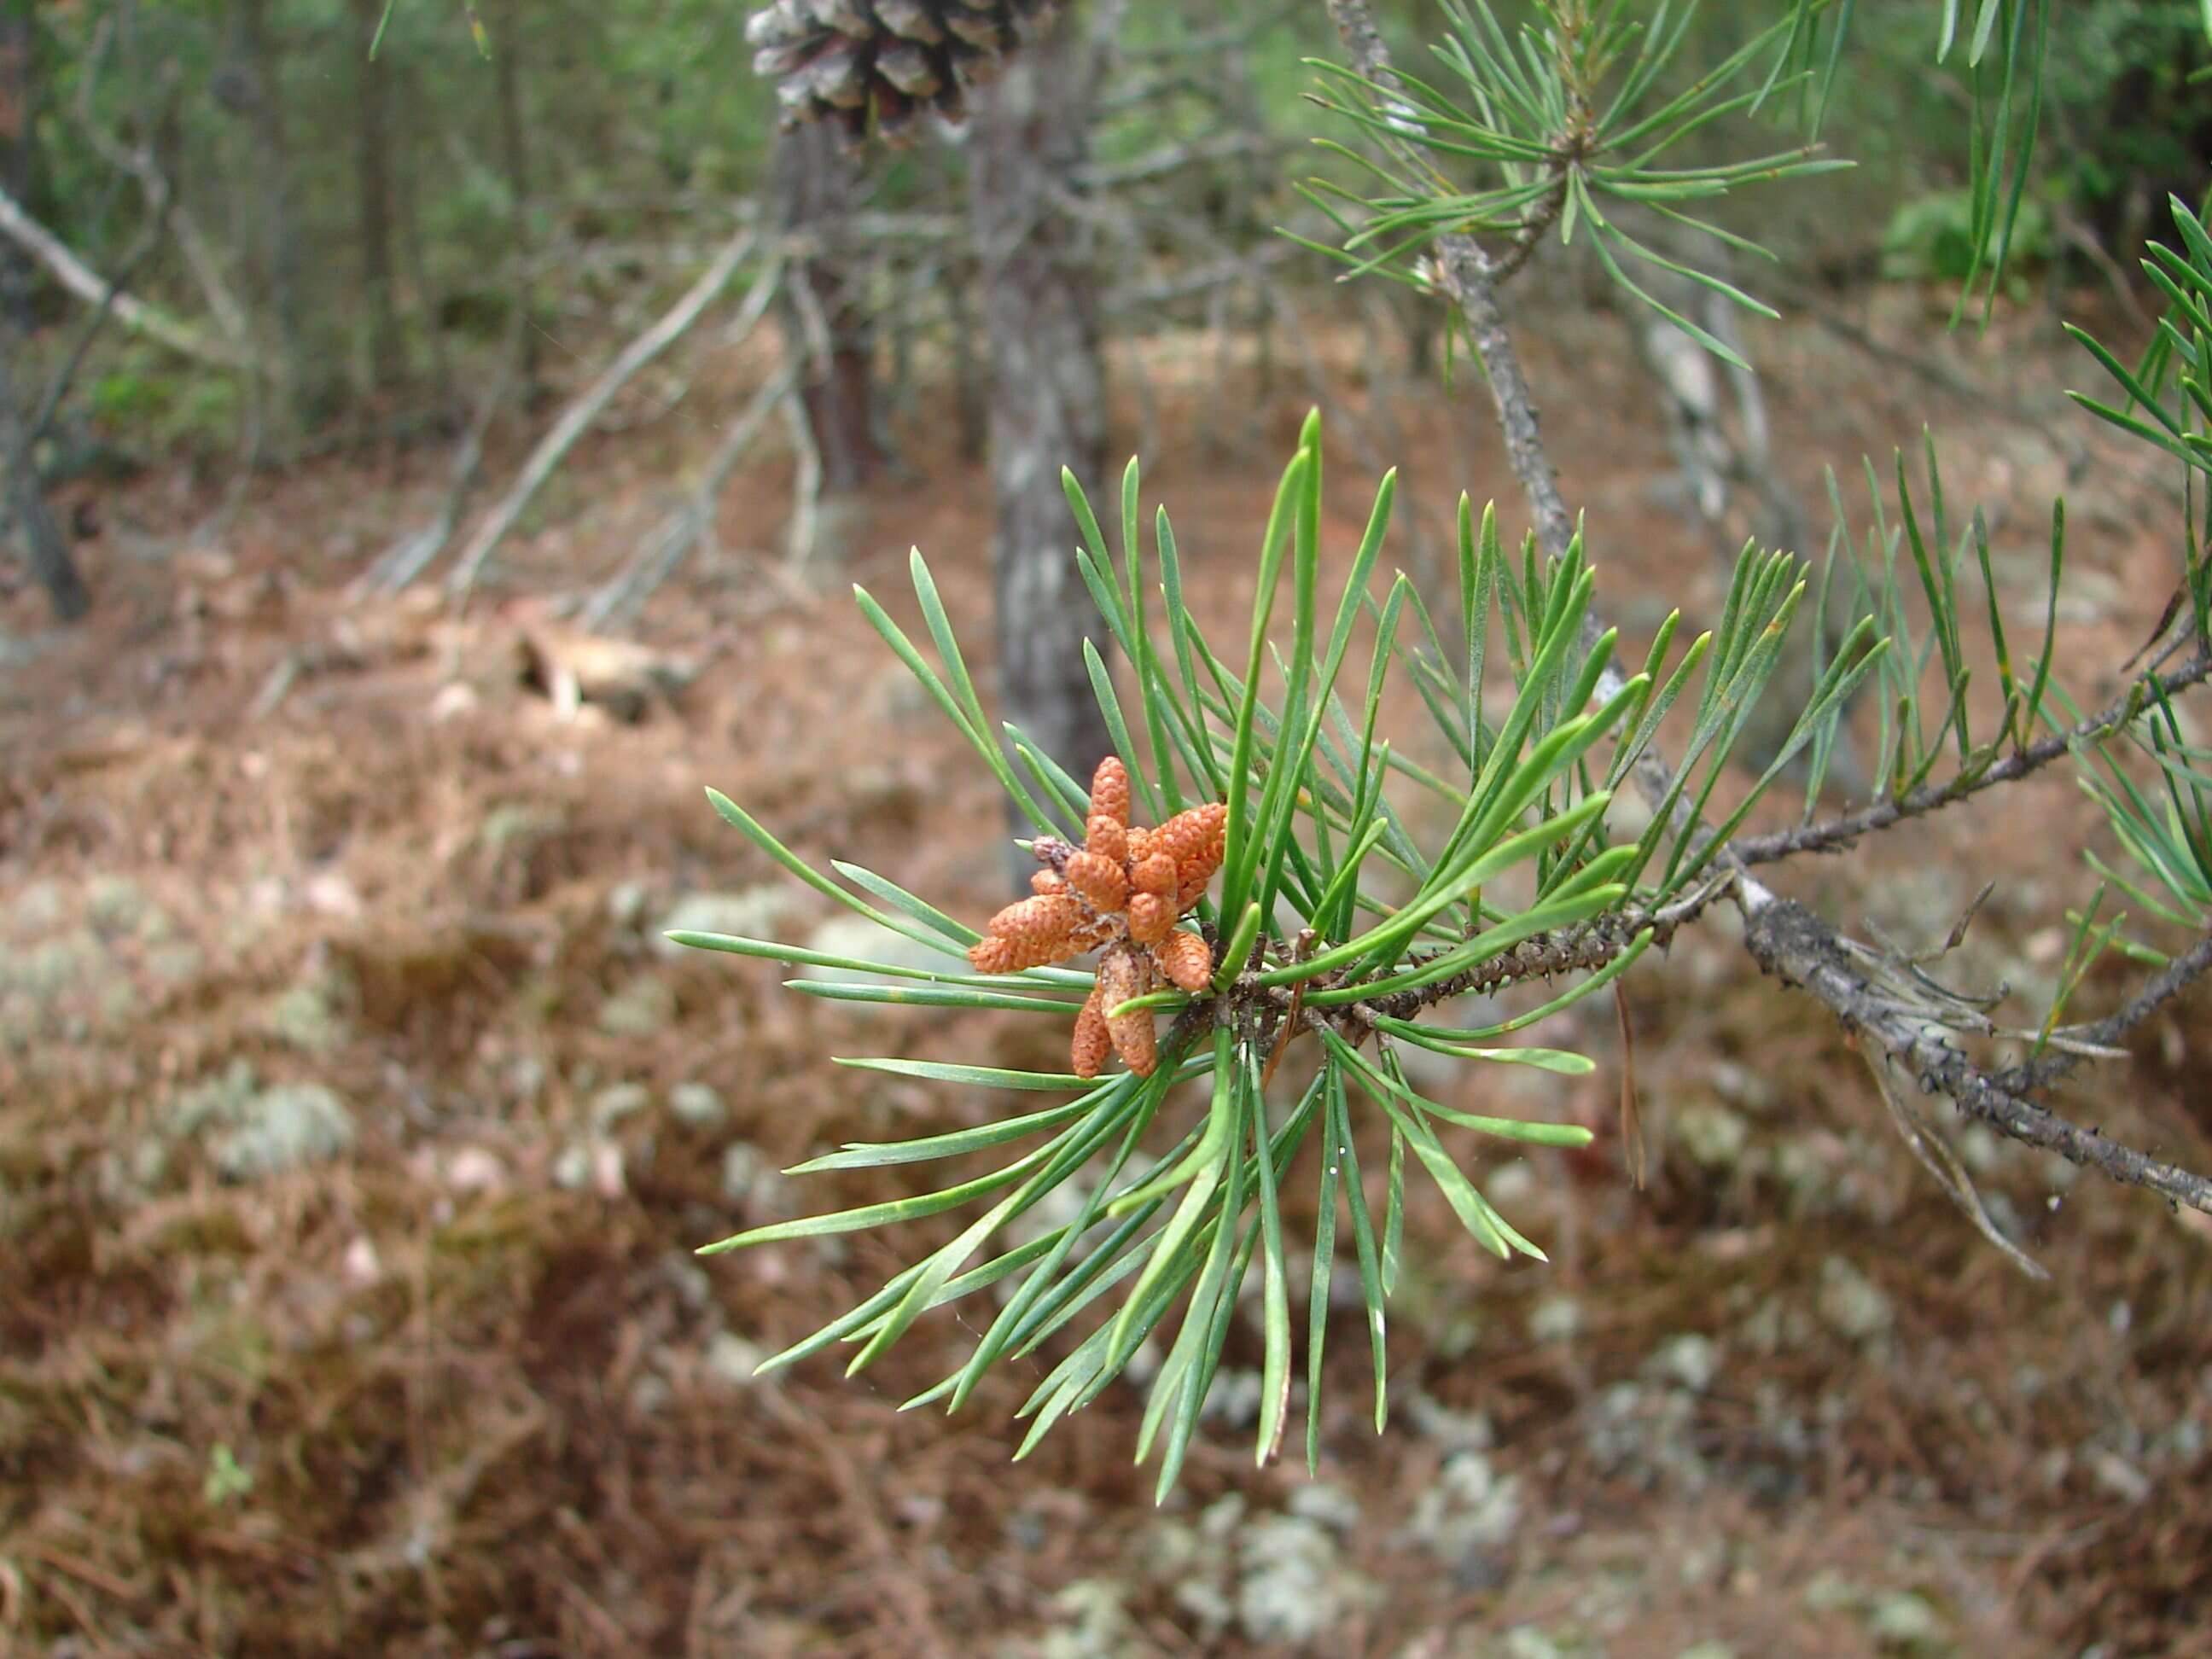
(1789, 941)
(1840, 832)
(2160, 989)
(1785, 937)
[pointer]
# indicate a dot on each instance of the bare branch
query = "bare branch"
(624, 593)
(1787, 940)
(80, 279)
(139, 160)
(64, 374)
(579, 415)
(415, 552)
(1840, 832)
(2160, 989)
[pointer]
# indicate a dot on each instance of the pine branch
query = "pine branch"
(1840, 832)
(1785, 937)
(2160, 989)
(1787, 940)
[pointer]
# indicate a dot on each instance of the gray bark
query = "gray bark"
(514, 158)
(372, 187)
(813, 187)
(43, 538)
(1039, 300)
(19, 151)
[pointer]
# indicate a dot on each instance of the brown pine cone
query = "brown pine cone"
(1151, 918)
(846, 60)
(1194, 840)
(1156, 874)
(1107, 837)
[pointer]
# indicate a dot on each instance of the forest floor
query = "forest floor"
(357, 1128)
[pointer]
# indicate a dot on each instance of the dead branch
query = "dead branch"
(1787, 940)
(139, 160)
(161, 205)
(2169, 982)
(576, 420)
(80, 279)
(411, 554)
(624, 594)
(805, 485)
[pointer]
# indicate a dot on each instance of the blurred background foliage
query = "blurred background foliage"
(377, 223)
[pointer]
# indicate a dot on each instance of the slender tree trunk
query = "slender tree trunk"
(968, 404)
(812, 182)
(275, 260)
(1047, 391)
(407, 199)
(514, 157)
(48, 545)
(19, 148)
(43, 539)
(372, 187)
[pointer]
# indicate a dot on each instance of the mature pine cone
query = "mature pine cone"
(844, 59)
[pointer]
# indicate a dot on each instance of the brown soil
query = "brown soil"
(428, 1399)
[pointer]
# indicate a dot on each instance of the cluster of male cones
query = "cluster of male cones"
(1123, 890)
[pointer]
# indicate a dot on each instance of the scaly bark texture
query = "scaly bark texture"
(1047, 390)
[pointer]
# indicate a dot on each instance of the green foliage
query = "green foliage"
(1572, 113)
(1336, 931)
(145, 396)
(2121, 95)
(1930, 237)
(2153, 783)
(1573, 110)
(2179, 423)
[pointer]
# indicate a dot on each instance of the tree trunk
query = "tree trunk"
(1047, 390)
(514, 157)
(811, 182)
(19, 150)
(51, 560)
(373, 188)
(275, 261)
(407, 199)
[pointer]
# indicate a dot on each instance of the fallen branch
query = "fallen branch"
(139, 162)
(576, 420)
(80, 279)
(411, 554)
(805, 485)
(622, 595)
